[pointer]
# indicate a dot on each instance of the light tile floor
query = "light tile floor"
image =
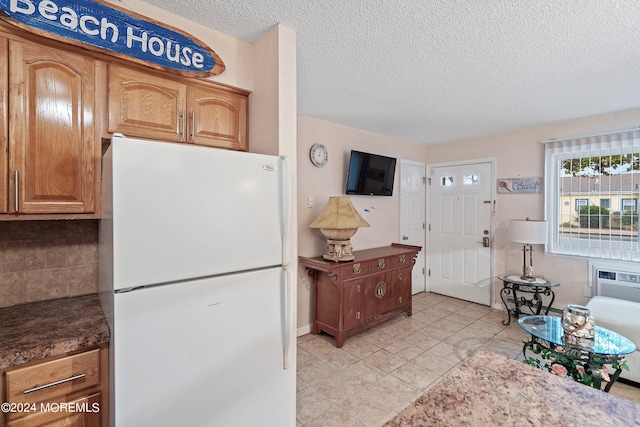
(382, 370)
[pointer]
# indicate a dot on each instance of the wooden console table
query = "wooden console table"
(356, 295)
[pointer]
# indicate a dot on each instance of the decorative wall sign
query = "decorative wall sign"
(104, 27)
(519, 185)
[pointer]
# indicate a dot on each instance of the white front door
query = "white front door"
(412, 216)
(460, 231)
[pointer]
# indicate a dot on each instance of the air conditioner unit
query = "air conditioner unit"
(617, 284)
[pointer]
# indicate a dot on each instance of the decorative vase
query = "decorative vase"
(578, 322)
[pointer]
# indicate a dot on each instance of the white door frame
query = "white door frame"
(422, 254)
(492, 262)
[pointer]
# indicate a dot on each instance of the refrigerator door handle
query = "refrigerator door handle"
(287, 212)
(287, 318)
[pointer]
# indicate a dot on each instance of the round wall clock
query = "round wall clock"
(319, 155)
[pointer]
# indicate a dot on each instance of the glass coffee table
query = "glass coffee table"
(607, 347)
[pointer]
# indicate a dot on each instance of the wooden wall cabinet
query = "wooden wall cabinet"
(142, 104)
(66, 391)
(353, 296)
(48, 110)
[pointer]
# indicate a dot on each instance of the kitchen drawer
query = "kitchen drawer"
(357, 269)
(54, 378)
(88, 416)
(379, 264)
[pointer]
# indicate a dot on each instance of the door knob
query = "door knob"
(405, 237)
(485, 242)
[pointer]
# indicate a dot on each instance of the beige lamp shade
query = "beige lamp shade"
(528, 231)
(338, 221)
(341, 217)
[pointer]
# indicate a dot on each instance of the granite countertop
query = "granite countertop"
(44, 329)
(490, 389)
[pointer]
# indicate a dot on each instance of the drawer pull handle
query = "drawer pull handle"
(16, 190)
(402, 259)
(66, 380)
(356, 269)
(193, 126)
(381, 263)
(182, 120)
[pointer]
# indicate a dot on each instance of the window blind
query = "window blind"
(591, 195)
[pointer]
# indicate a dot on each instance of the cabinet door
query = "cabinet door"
(4, 123)
(351, 310)
(403, 286)
(370, 304)
(217, 118)
(51, 130)
(147, 106)
(399, 293)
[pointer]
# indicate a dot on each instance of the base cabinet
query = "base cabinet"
(68, 391)
(353, 296)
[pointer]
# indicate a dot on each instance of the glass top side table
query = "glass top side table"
(526, 293)
(547, 332)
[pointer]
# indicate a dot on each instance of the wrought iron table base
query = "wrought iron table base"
(534, 304)
(537, 345)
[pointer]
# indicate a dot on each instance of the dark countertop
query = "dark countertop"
(49, 328)
(489, 389)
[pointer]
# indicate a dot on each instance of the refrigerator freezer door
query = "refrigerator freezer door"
(204, 353)
(182, 211)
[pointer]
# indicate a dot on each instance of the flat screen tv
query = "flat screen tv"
(370, 174)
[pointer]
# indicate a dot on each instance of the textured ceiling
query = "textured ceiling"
(443, 70)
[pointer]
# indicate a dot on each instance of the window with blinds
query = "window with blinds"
(591, 195)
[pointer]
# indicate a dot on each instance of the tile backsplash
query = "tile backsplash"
(47, 259)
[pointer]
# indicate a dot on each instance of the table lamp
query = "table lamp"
(338, 222)
(529, 232)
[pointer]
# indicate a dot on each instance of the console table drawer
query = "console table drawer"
(401, 260)
(379, 264)
(357, 269)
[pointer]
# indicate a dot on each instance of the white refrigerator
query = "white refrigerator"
(195, 286)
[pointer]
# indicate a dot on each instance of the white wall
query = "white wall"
(383, 213)
(520, 154)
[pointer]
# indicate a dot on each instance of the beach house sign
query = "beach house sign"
(118, 32)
